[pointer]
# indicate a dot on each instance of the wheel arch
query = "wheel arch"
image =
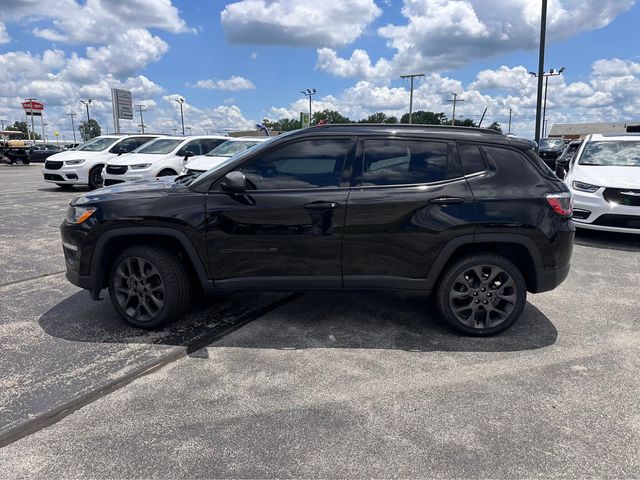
(114, 241)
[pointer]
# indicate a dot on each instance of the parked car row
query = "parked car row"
(112, 159)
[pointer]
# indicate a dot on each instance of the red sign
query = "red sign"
(32, 106)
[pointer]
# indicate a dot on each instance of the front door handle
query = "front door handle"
(321, 206)
(446, 200)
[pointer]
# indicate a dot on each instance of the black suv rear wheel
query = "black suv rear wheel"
(481, 295)
(148, 286)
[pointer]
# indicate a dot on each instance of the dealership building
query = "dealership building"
(575, 131)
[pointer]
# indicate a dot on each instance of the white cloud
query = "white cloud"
(4, 36)
(441, 35)
(297, 22)
(615, 68)
(233, 83)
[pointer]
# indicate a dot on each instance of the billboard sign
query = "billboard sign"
(122, 103)
(31, 107)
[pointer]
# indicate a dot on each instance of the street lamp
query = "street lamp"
(551, 73)
(189, 128)
(141, 108)
(86, 104)
(310, 92)
(181, 102)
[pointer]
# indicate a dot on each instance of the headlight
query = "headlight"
(78, 215)
(140, 166)
(584, 187)
(74, 162)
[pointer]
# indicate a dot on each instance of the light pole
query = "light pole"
(310, 92)
(540, 74)
(189, 129)
(181, 102)
(73, 127)
(140, 107)
(551, 73)
(86, 104)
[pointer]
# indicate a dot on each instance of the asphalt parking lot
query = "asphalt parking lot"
(318, 384)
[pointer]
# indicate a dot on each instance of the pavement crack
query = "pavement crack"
(32, 278)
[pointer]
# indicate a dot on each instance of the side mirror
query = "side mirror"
(234, 182)
(121, 150)
(188, 154)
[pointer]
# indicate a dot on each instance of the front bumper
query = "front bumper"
(593, 212)
(70, 175)
(129, 176)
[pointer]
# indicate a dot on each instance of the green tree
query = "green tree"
(22, 127)
(282, 125)
(467, 122)
(89, 130)
(328, 116)
(425, 118)
(496, 126)
(379, 117)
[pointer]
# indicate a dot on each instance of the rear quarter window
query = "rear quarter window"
(514, 164)
(472, 159)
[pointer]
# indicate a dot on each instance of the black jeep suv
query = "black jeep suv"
(468, 214)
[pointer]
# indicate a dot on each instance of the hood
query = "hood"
(147, 188)
(134, 158)
(76, 155)
(203, 162)
(612, 177)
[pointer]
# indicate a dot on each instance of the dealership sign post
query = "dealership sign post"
(33, 108)
(122, 103)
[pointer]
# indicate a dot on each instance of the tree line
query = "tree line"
(331, 116)
(88, 130)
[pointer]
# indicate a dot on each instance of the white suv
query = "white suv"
(161, 157)
(83, 165)
(233, 145)
(604, 177)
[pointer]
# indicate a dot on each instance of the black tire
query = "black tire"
(64, 186)
(149, 286)
(95, 177)
(481, 295)
(166, 173)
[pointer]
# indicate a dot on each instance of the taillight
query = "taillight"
(562, 203)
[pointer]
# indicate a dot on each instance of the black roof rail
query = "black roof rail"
(415, 126)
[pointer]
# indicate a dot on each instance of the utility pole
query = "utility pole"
(411, 78)
(543, 33)
(454, 101)
(310, 92)
(33, 129)
(181, 102)
(88, 129)
(140, 107)
(73, 127)
(509, 121)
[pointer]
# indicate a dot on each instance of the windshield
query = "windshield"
(97, 144)
(159, 146)
(231, 147)
(613, 153)
(551, 143)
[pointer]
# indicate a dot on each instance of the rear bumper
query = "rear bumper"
(548, 279)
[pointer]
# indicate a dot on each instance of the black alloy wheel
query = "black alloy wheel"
(482, 295)
(149, 287)
(95, 177)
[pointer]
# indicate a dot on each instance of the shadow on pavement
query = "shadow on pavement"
(627, 242)
(378, 320)
(78, 189)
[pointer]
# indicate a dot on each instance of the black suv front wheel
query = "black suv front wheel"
(481, 295)
(148, 286)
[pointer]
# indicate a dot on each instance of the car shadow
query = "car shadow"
(627, 242)
(60, 190)
(361, 320)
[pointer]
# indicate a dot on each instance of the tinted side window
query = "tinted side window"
(194, 147)
(512, 164)
(210, 144)
(304, 164)
(472, 160)
(400, 162)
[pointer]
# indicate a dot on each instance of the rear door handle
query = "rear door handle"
(446, 200)
(321, 206)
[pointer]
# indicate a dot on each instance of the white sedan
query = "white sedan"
(165, 156)
(231, 147)
(604, 178)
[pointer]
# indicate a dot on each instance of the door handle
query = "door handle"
(446, 200)
(321, 206)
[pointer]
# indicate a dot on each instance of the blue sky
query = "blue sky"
(237, 62)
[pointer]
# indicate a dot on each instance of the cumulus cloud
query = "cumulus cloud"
(297, 22)
(233, 83)
(441, 35)
(4, 36)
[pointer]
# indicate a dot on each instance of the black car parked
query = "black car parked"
(550, 150)
(468, 214)
(39, 152)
